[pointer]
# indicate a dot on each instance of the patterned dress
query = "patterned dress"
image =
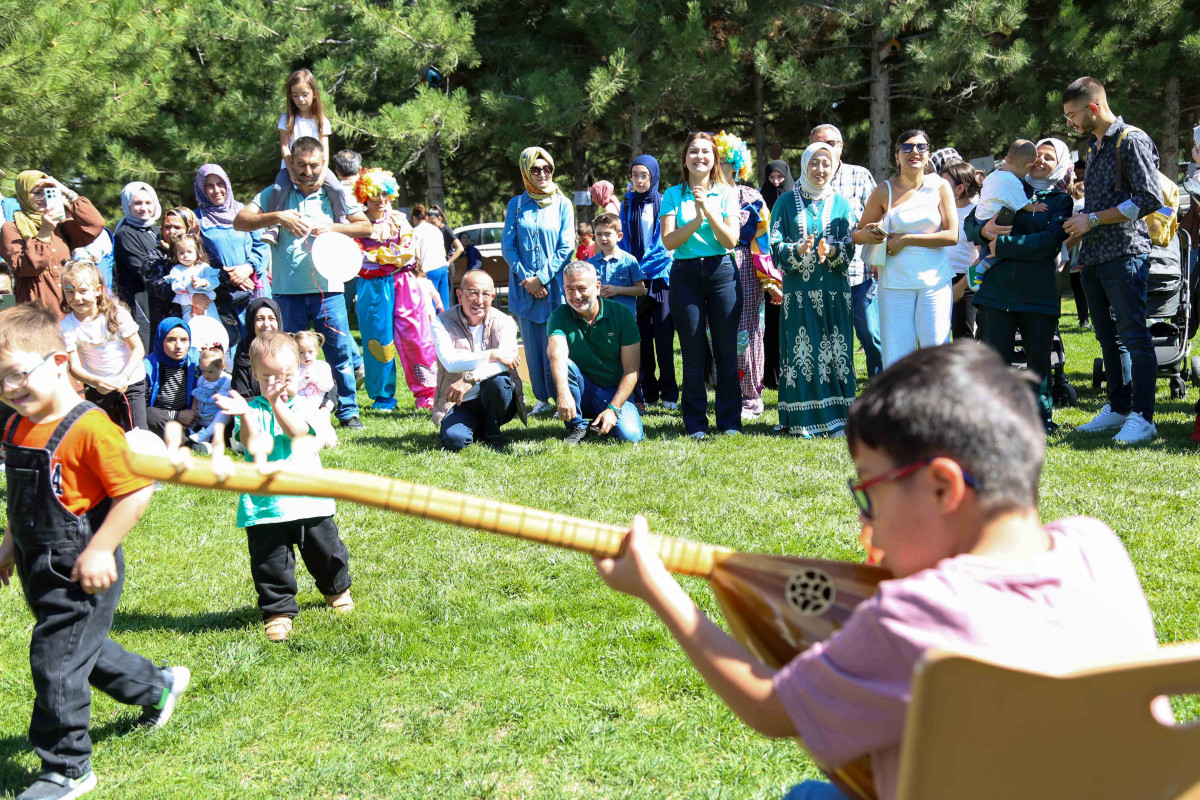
(816, 374)
(755, 271)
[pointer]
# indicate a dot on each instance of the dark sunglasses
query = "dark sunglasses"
(859, 490)
(541, 170)
(920, 147)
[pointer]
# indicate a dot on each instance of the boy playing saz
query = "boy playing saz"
(948, 447)
(70, 503)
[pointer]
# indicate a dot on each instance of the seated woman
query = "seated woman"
(40, 239)
(262, 316)
(171, 370)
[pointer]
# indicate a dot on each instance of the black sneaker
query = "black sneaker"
(156, 716)
(53, 786)
(353, 423)
(576, 434)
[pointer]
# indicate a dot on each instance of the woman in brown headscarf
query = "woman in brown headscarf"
(39, 240)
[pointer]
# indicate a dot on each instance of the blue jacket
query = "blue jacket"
(656, 260)
(537, 241)
(230, 248)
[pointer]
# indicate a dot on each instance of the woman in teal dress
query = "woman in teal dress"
(810, 243)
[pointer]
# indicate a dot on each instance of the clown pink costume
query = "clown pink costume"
(392, 315)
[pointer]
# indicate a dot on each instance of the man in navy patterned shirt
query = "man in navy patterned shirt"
(1114, 251)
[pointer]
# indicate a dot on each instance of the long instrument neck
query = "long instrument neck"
(595, 538)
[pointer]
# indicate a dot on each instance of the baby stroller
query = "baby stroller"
(1168, 311)
(1061, 391)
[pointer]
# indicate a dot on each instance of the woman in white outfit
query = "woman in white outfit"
(915, 214)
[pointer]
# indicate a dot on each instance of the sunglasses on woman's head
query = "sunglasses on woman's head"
(920, 147)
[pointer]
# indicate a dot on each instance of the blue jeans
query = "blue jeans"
(815, 790)
(865, 310)
(591, 399)
(327, 315)
(1116, 296)
(441, 281)
(480, 418)
(534, 337)
(706, 290)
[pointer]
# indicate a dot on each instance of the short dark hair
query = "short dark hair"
(1087, 89)
(1022, 149)
(305, 145)
(911, 132)
(346, 164)
(960, 401)
(607, 220)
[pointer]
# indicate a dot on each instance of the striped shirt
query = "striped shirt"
(172, 388)
(854, 183)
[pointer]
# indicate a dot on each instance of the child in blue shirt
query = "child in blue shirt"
(274, 525)
(621, 278)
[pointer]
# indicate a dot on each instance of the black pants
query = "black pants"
(127, 410)
(999, 328)
(70, 649)
(479, 419)
(1081, 306)
(963, 323)
(706, 290)
(157, 419)
(657, 330)
(273, 561)
(771, 346)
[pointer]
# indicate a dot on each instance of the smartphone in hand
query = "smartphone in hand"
(54, 201)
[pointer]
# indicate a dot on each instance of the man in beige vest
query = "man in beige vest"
(478, 387)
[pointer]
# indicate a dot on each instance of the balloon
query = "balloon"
(207, 331)
(145, 442)
(336, 257)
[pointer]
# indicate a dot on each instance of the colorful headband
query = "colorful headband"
(375, 182)
(734, 152)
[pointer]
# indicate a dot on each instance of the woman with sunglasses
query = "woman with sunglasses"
(700, 220)
(914, 213)
(538, 241)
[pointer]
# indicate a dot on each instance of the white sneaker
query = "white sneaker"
(1106, 420)
(670, 406)
(203, 448)
(1136, 430)
(539, 408)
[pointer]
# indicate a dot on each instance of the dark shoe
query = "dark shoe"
(53, 786)
(576, 434)
(178, 679)
(1051, 426)
(353, 423)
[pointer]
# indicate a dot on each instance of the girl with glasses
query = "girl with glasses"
(914, 213)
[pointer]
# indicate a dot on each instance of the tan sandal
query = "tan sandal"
(341, 603)
(278, 628)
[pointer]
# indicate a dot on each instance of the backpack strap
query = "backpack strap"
(1120, 163)
(65, 425)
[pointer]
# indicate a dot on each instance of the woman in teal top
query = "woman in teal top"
(700, 220)
(810, 243)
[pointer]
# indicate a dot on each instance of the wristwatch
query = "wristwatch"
(1093, 221)
(469, 377)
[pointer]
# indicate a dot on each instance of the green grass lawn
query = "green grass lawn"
(477, 666)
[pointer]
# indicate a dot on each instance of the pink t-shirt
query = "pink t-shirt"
(1078, 604)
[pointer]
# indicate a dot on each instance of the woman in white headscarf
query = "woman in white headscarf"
(135, 239)
(1019, 292)
(810, 243)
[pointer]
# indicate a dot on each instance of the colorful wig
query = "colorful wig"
(734, 152)
(375, 183)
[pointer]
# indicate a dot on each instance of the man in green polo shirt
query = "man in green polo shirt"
(594, 353)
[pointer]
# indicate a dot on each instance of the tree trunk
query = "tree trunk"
(579, 162)
(760, 128)
(401, 191)
(635, 132)
(1168, 145)
(879, 144)
(433, 173)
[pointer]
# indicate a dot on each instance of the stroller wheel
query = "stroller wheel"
(1178, 387)
(1098, 373)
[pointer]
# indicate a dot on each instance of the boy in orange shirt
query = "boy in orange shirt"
(71, 500)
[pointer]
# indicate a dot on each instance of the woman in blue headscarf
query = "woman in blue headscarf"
(171, 370)
(643, 240)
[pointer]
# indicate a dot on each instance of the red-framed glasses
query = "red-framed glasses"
(859, 490)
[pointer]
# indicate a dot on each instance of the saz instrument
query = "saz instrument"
(776, 606)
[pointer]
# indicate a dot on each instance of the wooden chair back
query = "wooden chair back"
(983, 731)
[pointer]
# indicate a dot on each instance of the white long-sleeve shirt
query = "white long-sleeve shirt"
(477, 360)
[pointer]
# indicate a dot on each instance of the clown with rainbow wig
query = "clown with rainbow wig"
(392, 316)
(756, 272)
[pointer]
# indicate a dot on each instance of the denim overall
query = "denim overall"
(69, 647)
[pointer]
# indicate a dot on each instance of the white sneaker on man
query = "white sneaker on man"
(1136, 430)
(541, 407)
(1106, 420)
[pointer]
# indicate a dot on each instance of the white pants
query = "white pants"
(913, 318)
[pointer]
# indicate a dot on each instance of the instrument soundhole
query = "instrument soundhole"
(811, 592)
